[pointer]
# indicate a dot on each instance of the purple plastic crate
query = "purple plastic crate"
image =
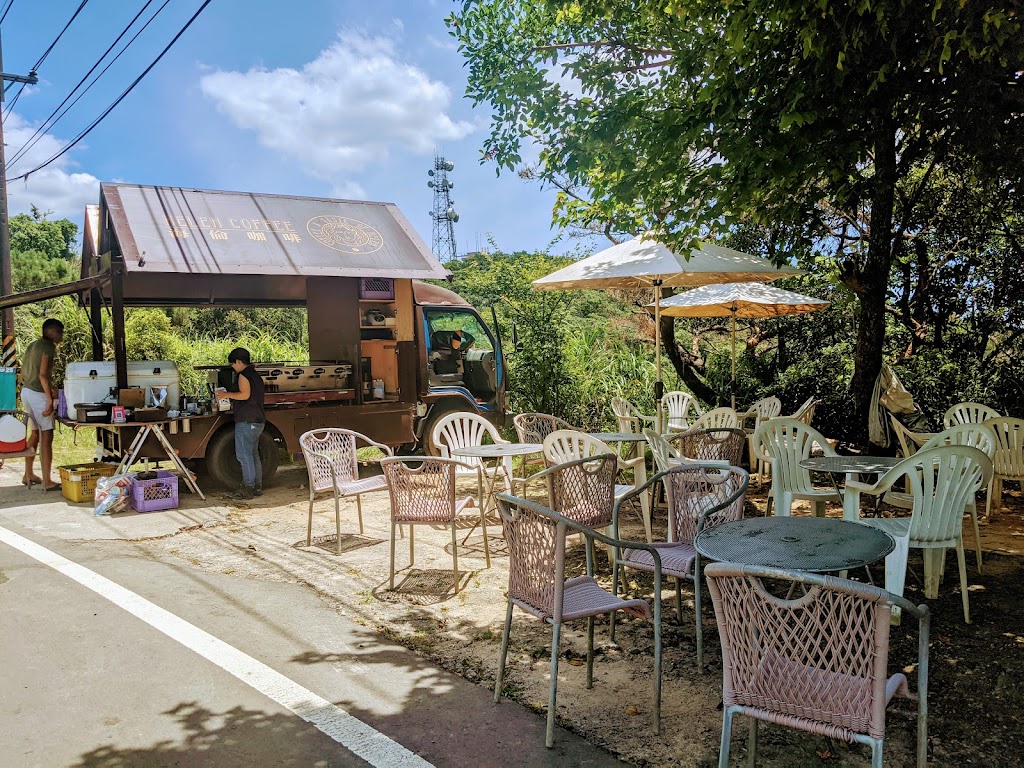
(153, 495)
(380, 288)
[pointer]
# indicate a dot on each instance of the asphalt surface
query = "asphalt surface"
(86, 683)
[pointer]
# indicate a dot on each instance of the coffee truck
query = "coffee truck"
(389, 354)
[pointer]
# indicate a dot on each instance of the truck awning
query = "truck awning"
(191, 232)
(53, 291)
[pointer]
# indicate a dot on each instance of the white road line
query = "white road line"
(353, 734)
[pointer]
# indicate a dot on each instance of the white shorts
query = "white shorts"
(35, 404)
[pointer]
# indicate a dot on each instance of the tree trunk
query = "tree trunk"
(681, 365)
(872, 283)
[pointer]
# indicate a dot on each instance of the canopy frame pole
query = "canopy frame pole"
(659, 385)
(732, 388)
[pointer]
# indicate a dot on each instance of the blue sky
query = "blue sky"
(336, 98)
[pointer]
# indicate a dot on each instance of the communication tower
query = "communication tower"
(443, 214)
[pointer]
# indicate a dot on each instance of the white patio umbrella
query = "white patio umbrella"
(749, 300)
(645, 263)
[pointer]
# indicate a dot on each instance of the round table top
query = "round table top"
(619, 437)
(495, 450)
(814, 544)
(849, 464)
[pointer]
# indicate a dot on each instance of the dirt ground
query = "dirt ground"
(976, 706)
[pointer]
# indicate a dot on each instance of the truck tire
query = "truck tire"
(224, 468)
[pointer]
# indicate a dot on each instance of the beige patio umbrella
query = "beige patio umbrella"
(749, 300)
(645, 263)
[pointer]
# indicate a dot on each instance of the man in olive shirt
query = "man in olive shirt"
(37, 394)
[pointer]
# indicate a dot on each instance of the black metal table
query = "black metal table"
(813, 544)
(849, 465)
(619, 437)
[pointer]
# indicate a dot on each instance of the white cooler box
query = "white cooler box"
(94, 382)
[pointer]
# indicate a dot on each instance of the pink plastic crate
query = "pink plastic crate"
(153, 495)
(380, 288)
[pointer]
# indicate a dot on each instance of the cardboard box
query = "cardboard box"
(133, 397)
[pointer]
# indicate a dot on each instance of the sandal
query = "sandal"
(55, 486)
(31, 481)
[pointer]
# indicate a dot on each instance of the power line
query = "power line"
(10, 108)
(47, 125)
(6, 11)
(118, 100)
(46, 53)
(56, 40)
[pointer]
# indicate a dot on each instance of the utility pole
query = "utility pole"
(9, 355)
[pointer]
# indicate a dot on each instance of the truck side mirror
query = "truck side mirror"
(516, 345)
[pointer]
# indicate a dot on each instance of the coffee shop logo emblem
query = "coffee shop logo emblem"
(344, 234)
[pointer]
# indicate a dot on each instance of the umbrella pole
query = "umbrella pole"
(659, 387)
(732, 388)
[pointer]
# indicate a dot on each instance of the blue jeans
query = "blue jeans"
(247, 451)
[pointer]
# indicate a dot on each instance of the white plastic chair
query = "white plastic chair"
(665, 454)
(629, 417)
(333, 467)
(570, 445)
(462, 430)
(969, 413)
(1009, 457)
(762, 410)
(678, 408)
(910, 442)
(718, 418)
(805, 412)
(942, 481)
(974, 435)
(783, 443)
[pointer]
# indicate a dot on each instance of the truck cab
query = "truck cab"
(461, 361)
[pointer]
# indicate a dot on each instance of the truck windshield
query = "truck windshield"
(461, 353)
(443, 324)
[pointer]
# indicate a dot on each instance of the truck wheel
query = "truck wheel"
(224, 468)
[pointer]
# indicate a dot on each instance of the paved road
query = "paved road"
(201, 669)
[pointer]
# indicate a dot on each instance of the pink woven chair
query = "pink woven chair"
(711, 444)
(698, 498)
(534, 427)
(816, 662)
(425, 495)
(333, 467)
(537, 583)
(584, 491)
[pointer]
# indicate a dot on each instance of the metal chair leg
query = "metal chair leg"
(549, 737)
(698, 617)
(392, 554)
(590, 652)
(657, 658)
(752, 743)
(337, 521)
(309, 527)
(359, 511)
(723, 750)
(455, 559)
(504, 653)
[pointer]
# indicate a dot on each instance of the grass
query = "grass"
(65, 450)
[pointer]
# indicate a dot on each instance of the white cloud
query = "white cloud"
(344, 112)
(58, 187)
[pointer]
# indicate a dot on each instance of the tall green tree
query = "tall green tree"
(811, 116)
(55, 239)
